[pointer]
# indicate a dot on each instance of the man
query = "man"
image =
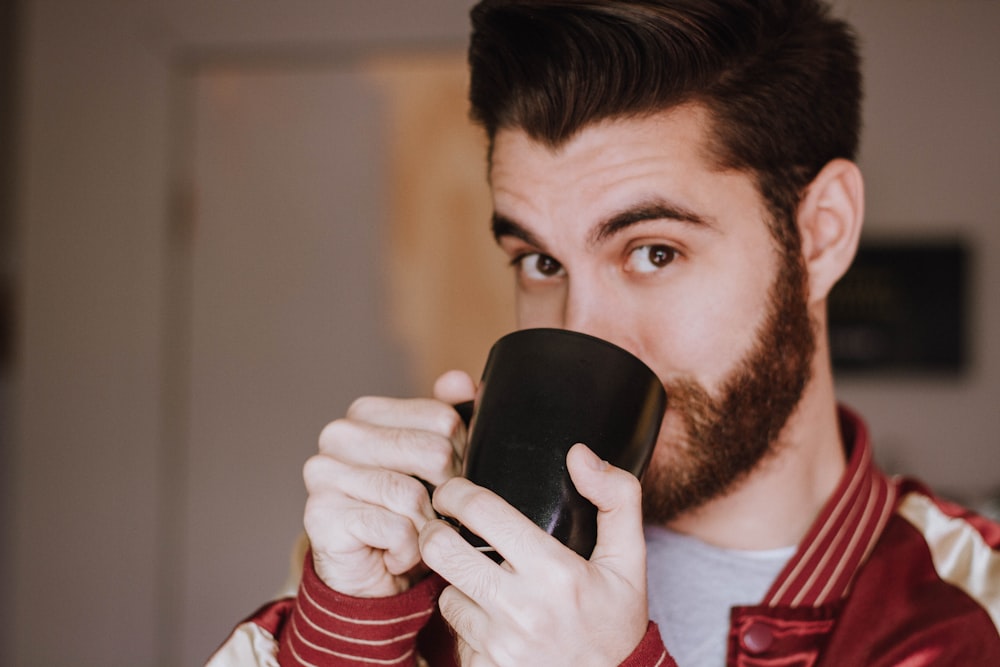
(677, 177)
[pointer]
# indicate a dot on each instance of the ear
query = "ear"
(830, 218)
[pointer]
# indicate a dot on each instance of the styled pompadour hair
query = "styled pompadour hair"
(780, 79)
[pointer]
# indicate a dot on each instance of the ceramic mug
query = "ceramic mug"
(542, 391)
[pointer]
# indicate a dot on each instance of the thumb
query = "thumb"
(617, 495)
(454, 387)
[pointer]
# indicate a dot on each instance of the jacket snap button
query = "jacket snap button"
(757, 638)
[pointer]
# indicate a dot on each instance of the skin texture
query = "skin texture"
(719, 435)
(366, 504)
(626, 232)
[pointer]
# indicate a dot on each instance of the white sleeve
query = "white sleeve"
(253, 642)
(249, 644)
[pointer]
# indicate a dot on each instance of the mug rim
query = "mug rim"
(577, 334)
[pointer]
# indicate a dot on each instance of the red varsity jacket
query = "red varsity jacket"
(888, 574)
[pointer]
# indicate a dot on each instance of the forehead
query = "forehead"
(610, 162)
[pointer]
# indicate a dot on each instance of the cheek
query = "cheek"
(703, 334)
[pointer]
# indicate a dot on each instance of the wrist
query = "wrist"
(650, 651)
(383, 584)
(326, 623)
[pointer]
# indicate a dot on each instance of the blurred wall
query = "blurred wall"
(931, 159)
(95, 164)
(97, 492)
(8, 70)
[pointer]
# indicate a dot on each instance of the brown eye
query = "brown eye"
(547, 266)
(538, 267)
(649, 258)
(660, 255)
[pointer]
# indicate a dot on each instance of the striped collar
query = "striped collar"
(844, 534)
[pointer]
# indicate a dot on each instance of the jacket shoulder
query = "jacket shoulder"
(936, 517)
(964, 546)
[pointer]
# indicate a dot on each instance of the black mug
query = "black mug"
(542, 391)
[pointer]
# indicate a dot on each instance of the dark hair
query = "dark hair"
(780, 78)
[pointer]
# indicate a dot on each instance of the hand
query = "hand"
(545, 605)
(366, 501)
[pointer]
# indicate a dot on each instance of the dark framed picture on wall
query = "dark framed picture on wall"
(902, 308)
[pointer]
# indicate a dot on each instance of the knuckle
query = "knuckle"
(315, 472)
(431, 457)
(533, 622)
(399, 490)
(336, 433)
(477, 501)
(430, 551)
(380, 528)
(402, 560)
(399, 536)
(312, 516)
(447, 421)
(321, 525)
(433, 544)
(562, 578)
(632, 484)
(363, 405)
(632, 489)
(438, 455)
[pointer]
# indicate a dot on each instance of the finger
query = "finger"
(428, 455)
(396, 492)
(470, 658)
(454, 387)
(492, 518)
(617, 496)
(447, 553)
(467, 657)
(467, 620)
(425, 414)
(363, 527)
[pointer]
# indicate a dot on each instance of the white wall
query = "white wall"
(91, 236)
(97, 157)
(930, 158)
(95, 165)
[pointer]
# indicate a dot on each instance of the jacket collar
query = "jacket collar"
(844, 534)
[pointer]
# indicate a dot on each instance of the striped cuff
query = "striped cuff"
(650, 652)
(331, 629)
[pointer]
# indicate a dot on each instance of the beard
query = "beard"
(727, 436)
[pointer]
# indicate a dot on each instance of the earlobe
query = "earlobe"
(830, 218)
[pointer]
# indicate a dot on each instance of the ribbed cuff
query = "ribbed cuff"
(329, 628)
(650, 652)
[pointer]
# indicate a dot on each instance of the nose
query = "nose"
(591, 308)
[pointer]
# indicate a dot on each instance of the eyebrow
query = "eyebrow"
(646, 212)
(503, 226)
(656, 209)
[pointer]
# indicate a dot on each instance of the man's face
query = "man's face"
(628, 233)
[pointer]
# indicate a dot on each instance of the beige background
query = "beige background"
(450, 288)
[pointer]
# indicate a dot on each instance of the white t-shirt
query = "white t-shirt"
(693, 585)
